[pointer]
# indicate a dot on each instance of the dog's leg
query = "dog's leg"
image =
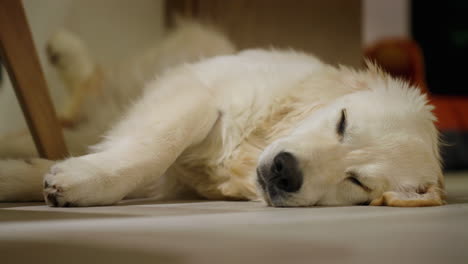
(22, 173)
(177, 113)
(80, 74)
(21, 180)
(73, 113)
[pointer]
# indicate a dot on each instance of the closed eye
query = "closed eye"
(341, 126)
(354, 179)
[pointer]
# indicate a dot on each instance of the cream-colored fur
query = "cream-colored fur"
(214, 128)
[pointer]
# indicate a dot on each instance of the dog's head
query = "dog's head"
(375, 146)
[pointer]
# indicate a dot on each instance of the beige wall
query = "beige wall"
(385, 18)
(109, 27)
(331, 29)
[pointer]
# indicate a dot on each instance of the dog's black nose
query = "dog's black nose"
(285, 173)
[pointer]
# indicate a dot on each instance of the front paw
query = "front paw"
(77, 182)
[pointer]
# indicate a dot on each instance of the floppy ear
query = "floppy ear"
(430, 195)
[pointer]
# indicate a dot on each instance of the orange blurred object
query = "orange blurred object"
(403, 58)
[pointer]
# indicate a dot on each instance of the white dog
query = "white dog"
(260, 124)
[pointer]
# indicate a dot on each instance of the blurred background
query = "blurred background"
(425, 42)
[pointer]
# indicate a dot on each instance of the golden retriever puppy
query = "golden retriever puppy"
(278, 126)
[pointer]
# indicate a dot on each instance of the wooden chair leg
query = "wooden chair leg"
(23, 66)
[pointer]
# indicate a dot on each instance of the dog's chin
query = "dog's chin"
(281, 201)
(272, 200)
(263, 193)
(271, 196)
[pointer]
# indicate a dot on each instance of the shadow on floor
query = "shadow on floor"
(51, 252)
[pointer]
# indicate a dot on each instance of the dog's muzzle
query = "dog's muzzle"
(280, 177)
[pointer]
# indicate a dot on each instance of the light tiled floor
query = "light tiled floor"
(237, 232)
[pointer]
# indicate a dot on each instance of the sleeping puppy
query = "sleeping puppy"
(278, 126)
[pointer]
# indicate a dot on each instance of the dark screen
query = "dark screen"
(441, 28)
